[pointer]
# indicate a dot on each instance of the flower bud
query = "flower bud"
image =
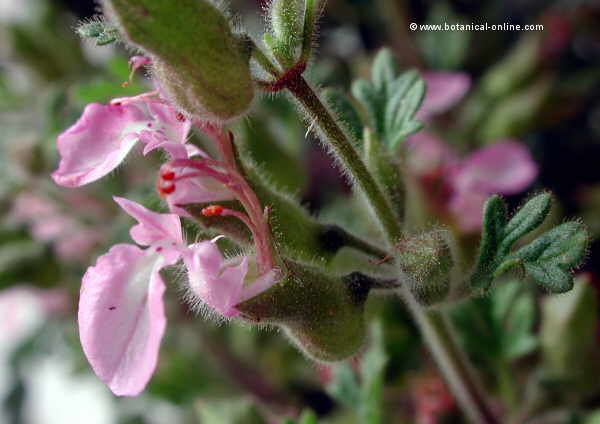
(322, 314)
(285, 19)
(427, 259)
(199, 62)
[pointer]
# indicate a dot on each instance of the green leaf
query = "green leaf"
(390, 101)
(548, 259)
(494, 220)
(344, 386)
(307, 417)
(498, 327)
(568, 331)
(372, 103)
(528, 218)
(514, 313)
(384, 70)
(100, 30)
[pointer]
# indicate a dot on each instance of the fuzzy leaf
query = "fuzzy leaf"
(100, 30)
(529, 217)
(384, 70)
(391, 100)
(494, 220)
(372, 103)
(548, 259)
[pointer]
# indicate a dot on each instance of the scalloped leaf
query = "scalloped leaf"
(391, 101)
(548, 259)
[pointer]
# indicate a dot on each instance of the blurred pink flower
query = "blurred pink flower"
(444, 90)
(460, 187)
(24, 308)
(48, 223)
(432, 400)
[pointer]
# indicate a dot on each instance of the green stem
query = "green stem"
(506, 385)
(336, 140)
(455, 367)
(433, 324)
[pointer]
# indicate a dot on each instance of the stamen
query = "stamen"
(167, 175)
(164, 188)
(135, 62)
(212, 210)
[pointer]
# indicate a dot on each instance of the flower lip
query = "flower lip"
(97, 143)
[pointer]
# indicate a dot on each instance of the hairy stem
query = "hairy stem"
(336, 140)
(433, 324)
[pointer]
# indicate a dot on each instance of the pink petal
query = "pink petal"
(97, 143)
(428, 153)
(220, 287)
(196, 190)
(152, 227)
(174, 149)
(168, 124)
(467, 209)
(121, 317)
(444, 90)
(259, 285)
(504, 168)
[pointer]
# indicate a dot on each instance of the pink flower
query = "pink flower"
(105, 134)
(219, 283)
(121, 312)
(48, 223)
(463, 185)
(444, 90)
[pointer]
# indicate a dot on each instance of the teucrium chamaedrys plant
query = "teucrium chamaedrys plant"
(204, 78)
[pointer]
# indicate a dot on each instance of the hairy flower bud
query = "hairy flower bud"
(285, 19)
(427, 259)
(198, 61)
(323, 315)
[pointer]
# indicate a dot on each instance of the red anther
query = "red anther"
(212, 210)
(180, 117)
(164, 187)
(167, 188)
(167, 175)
